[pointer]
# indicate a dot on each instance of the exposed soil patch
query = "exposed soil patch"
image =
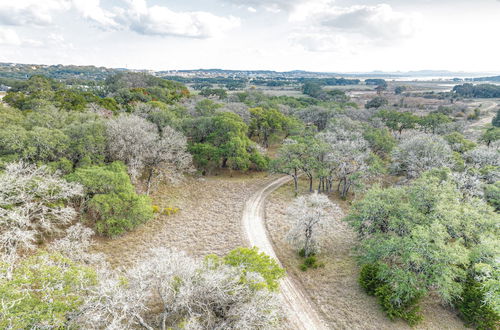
(334, 288)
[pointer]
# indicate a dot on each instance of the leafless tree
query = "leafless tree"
(240, 109)
(211, 295)
(130, 139)
(137, 143)
(33, 204)
(345, 160)
(313, 217)
(419, 152)
(200, 294)
(168, 157)
(487, 159)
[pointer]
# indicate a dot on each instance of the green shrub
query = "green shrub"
(112, 178)
(251, 260)
(43, 291)
(113, 204)
(63, 165)
(368, 278)
(311, 262)
(473, 310)
(116, 213)
(407, 309)
(391, 302)
(492, 195)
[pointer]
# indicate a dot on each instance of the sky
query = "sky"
(281, 35)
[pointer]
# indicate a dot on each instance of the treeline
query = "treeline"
(59, 72)
(494, 78)
(478, 91)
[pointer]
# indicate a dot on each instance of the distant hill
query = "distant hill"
(75, 72)
(60, 72)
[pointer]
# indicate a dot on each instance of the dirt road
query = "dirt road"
(489, 114)
(301, 313)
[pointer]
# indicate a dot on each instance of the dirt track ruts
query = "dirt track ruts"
(301, 312)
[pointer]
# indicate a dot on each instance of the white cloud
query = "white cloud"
(321, 25)
(30, 12)
(270, 5)
(160, 20)
(9, 37)
(91, 10)
(321, 42)
(133, 15)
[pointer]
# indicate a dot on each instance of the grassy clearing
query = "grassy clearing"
(334, 288)
(209, 219)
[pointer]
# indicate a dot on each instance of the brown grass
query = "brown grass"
(334, 288)
(209, 220)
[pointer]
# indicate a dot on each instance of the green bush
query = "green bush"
(407, 309)
(112, 178)
(42, 291)
(310, 262)
(473, 310)
(63, 165)
(116, 213)
(302, 253)
(113, 204)
(492, 195)
(251, 260)
(368, 278)
(391, 302)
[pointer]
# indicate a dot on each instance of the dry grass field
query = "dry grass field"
(209, 220)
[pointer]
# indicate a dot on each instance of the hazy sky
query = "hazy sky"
(318, 35)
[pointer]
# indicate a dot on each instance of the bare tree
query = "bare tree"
(130, 139)
(419, 152)
(137, 143)
(201, 294)
(32, 205)
(487, 160)
(312, 215)
(240, 109)
(168, 157)
(113, 303)
(212, 295)
(345, 160)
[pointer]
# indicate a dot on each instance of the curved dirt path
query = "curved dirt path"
(301, 313)
(490, 114)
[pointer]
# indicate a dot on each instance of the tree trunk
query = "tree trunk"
(150, 179)
(310, 183)
(295, 181)
(308, 235)
(345, 188)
